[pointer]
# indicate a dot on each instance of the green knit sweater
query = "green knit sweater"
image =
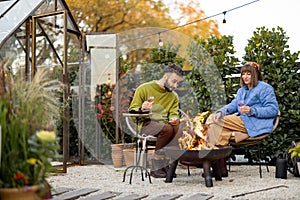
(165, 105)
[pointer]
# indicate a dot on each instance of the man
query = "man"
(159, 97)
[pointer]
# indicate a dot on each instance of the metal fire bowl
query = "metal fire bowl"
(197, 156)
(206, 157)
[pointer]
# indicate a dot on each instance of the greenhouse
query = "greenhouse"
(44, 36)
(36, 35)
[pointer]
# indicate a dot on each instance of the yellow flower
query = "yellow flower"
(32, 161)
(46, 136)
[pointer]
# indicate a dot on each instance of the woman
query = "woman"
(256, 107)
(250, 114)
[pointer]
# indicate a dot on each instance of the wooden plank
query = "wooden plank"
(168, 197)
(102, 196)
(58, 191)
(133, 197)
(200, 196)
(74, 194)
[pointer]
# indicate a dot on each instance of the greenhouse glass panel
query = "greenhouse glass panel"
(13, 13)
(51, 5)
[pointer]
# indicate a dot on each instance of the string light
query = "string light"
(108, 82)
(224, 20)
(192, 22)
(108, 79)
(160, 42)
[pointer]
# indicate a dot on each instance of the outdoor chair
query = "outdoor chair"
(255, 142)
(139, 138)
(147, 142)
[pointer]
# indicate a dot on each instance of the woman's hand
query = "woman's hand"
(217, 116)
(245, 109)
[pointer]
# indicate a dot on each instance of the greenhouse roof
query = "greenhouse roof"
(13, 13)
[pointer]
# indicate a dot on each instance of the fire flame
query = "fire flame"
(194, 136)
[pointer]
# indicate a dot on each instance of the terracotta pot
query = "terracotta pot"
(117, 155)
(30, 193)
(129, 156)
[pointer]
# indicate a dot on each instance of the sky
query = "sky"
(243, 21)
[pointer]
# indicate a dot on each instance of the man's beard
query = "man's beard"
(167, 87)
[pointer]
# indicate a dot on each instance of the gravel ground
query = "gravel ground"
(241, 179)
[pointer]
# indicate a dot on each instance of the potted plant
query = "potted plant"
(28, 139)
(295, 151)
(295, 159)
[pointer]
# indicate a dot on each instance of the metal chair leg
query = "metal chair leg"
(267, 167)
(259, 161)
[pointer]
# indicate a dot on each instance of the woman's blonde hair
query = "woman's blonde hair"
(255, 71)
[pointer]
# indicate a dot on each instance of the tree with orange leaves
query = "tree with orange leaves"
(121, 15)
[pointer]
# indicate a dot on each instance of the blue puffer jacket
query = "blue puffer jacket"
(264, 108)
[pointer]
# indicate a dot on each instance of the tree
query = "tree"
(192, 14)
(118, 15)
(152, 69)
(221, 49)
(269, 48)
(121, 15)
(212, 61)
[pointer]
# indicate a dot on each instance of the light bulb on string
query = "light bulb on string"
(160, 42)
(224, 20)
(108, 79)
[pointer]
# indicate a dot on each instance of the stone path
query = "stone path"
(88, 194)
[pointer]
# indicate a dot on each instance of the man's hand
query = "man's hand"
(174, 121)
(147, 105)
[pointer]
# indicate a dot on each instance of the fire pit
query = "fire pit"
(196, 150)
(206, 157)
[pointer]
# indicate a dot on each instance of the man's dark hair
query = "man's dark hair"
(173, 68)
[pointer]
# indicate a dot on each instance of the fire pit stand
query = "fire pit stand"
(207, 158)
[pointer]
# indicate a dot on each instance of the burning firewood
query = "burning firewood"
(185, 140)
(194, 135)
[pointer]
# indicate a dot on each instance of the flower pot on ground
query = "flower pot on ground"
(129, 154)
(129, 157)
(25, 193)
(150, 157)
(117, 155)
